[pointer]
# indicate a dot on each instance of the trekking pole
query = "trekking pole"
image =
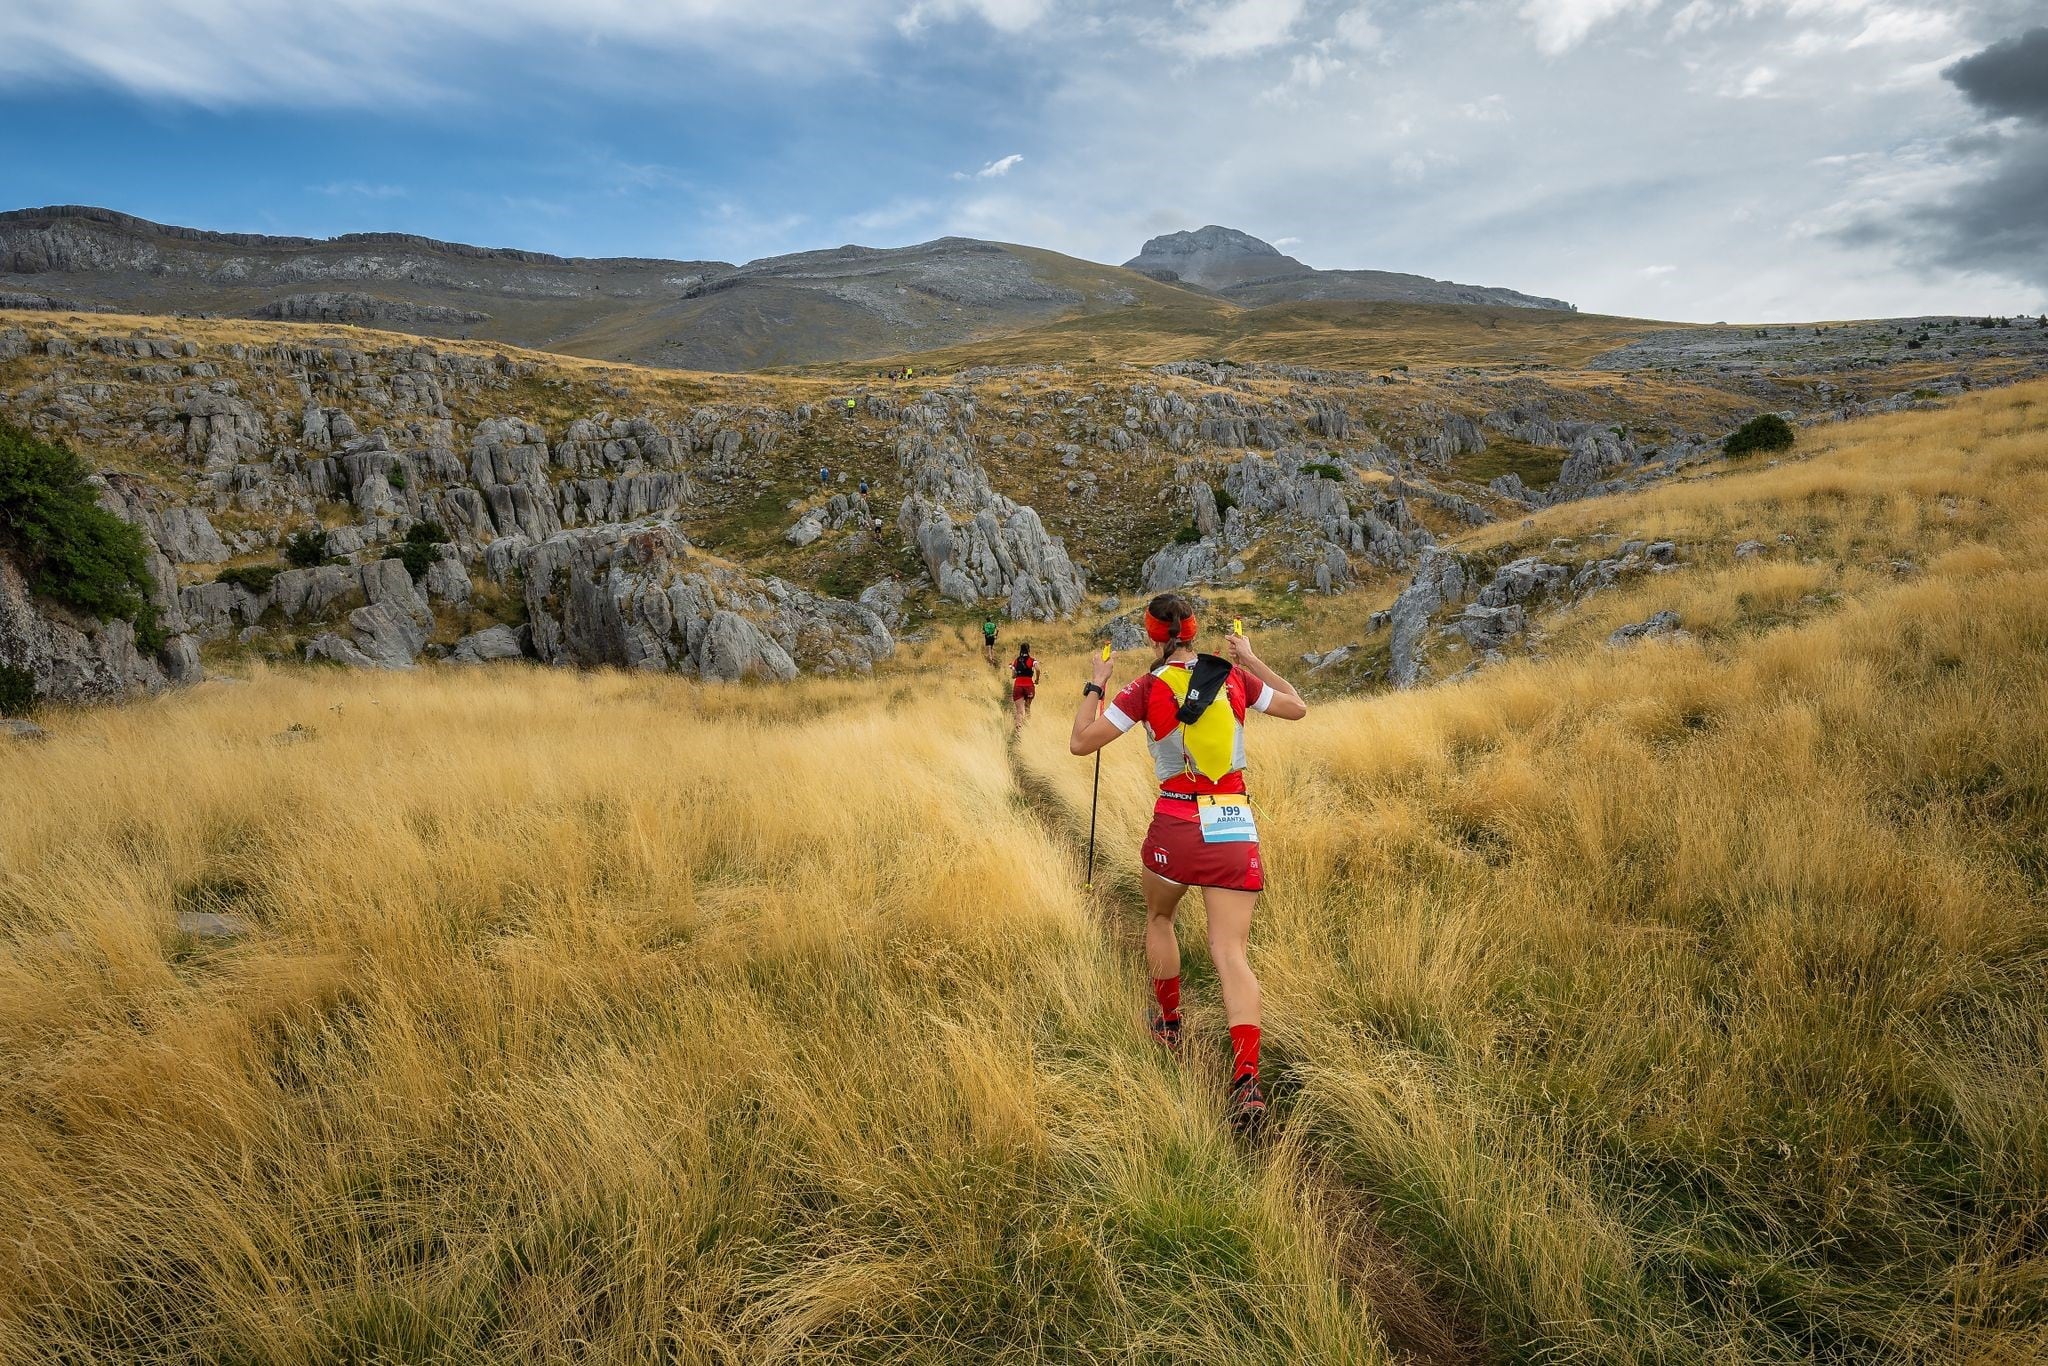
(1094, 800)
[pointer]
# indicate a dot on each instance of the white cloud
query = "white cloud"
(1234, 28)
(1355, 29)
(1562, 24)
(1306, 72)
(1911, 27)
(1756, 83)
(1489, 109)
(1287, 241)
(995, 170)
(1011, 16)
(895, 214)
(1656, 272)
(222, 53)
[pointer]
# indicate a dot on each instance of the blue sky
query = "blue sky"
(1694, 159)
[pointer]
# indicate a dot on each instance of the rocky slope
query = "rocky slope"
(482, 505)
(1245, 270)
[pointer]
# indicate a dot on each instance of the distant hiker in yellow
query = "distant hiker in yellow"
(1203, 834)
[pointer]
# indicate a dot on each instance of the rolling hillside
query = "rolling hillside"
(701, 315)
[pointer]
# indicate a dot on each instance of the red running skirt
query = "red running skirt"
(1175, 850)
(1023, 687)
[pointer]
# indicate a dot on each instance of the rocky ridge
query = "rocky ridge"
(753, 528)
(1244, 269)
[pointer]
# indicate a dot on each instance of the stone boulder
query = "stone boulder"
(637, 596)
(78, 659)
(1661, 624)
(488, 645)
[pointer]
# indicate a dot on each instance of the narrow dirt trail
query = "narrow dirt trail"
(1377, 1271)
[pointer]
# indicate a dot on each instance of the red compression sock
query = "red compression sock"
(1244, 1051)
(1166, 990)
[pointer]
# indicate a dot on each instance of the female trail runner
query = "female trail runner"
(1203, 835)
(1023, 686)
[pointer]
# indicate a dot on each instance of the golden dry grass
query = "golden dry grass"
(562, 1033)
(1688, 1003)
(1353, 336)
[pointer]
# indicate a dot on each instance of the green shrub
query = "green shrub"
(257, 578)
(17, 691)
(308, 549)
(422, 546)
(1187, 535)
(75, 552)
(1323, 469)
(1224, 502)
(1767, 433)
(398, 478)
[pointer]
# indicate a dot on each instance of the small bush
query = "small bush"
(17, 691)
(1323, 469)
(308, 549)
(75, 551)
(1767, 433)
(1187, 535)
(422, 546)
(398, 478)
(257, 578)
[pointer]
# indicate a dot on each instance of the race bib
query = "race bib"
(1227, 820)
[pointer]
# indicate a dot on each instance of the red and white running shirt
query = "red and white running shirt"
(1150, 698)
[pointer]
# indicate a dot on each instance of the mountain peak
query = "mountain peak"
(1246, 270)
(1213, 257)
(1212, 238)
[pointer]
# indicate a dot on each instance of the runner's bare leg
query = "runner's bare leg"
(1230, 925)
(1162, 945)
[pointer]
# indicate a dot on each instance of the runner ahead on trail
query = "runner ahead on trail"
(988, 637)
(1023, 685)
(1193, 707)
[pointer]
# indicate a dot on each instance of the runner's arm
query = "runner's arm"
(1286, 703)
(1092, 730)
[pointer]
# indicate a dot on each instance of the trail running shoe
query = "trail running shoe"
(1166, 1033)
(1246, 1110)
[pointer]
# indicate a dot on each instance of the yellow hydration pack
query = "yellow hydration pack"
(1211, 737)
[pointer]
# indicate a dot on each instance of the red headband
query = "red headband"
(1159, 630)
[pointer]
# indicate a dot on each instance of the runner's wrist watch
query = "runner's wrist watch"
(1091, 686)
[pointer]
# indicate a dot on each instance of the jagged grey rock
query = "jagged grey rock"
(634, 596)
(1661, 624)
(333, 649)
(1439, 581)
(212, 926)
(491, 643)
(77, 659)
(387, 635)
(994, 549)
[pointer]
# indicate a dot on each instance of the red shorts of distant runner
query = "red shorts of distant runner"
(1024, 688)
(1175, 850)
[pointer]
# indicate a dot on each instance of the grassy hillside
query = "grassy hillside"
(1681, 1003)
(1350, 336)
